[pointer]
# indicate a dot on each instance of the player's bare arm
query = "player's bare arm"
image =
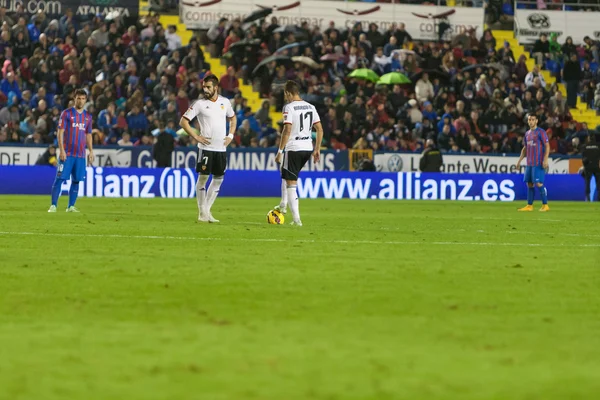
(546, 154)
(232, 126)
(285, 137)
(317, 152)
(61, 145)
(185, 124)
(521, 157)
(89, 141)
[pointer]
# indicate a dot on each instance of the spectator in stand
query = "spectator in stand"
(231, 39)
(10, 114)
(414, 114)
(107, 120)
(170, 114)
(569, 48)
(125, 140)
(535, 74)
(424, 88)
(541, 49)
(9, 84)
(571, 75)
(137, 122)
(591, 47)
(173, 39)
(100, 36)
(229, 83)
(391, 46)
(246, 133)
(558, 104)
(216, 35)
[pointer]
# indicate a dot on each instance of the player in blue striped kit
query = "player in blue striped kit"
(74, 133)
(536, 149)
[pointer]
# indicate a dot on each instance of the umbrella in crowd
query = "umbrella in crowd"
(306, 61)
(287, 29)
(276, 58)
(257, 15)
(502, 69)
(433, 74)
(364, 73)
(290, 46)
(402, 53)
(332, 57)
(474, 67)
(393, 78)
(242, 44)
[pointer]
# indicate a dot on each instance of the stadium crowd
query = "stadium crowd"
(464, 94)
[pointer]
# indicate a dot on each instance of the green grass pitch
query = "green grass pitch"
(133, 299)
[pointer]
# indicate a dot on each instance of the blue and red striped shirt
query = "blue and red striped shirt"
(76, 126)
(535, 142)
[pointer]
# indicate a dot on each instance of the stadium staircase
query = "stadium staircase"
(582, 114)
(217, 67)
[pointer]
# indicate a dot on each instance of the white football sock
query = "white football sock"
(201, 192)
(284, 194)
(213, 191)
(293, 202)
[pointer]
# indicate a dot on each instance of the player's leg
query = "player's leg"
(587, 175)
(290, 176)
(77, 175)
(528, 178)
(218, 165)
(63, 171)
(596, 174)
(293, 162)
(201, 169)
(540, 175)
(282, 206)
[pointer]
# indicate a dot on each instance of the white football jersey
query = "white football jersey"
(302, 116)
(212, 118)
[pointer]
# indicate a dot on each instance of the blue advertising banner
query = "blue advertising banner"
(180, 183)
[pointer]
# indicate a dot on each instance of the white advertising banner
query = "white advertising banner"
(29, 155)
(463, 164)
(421, 21)
(530, 24)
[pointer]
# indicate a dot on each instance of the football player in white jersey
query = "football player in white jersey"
(296, 146)
(212, 111)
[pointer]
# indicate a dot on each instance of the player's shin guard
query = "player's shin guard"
(293, 202)
(284, 195)
(544, 194)
(56, 189)
(73, 192)
(201, 192)
(213, 191)
(530, 195)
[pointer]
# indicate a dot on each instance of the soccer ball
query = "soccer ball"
(274, 217)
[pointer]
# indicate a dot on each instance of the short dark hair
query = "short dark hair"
(292, 87)
(212, 78)
(532, 115)
(81, 92)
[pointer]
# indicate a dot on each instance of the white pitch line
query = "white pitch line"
(554, 234)
(514, 219)
(375, 242)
